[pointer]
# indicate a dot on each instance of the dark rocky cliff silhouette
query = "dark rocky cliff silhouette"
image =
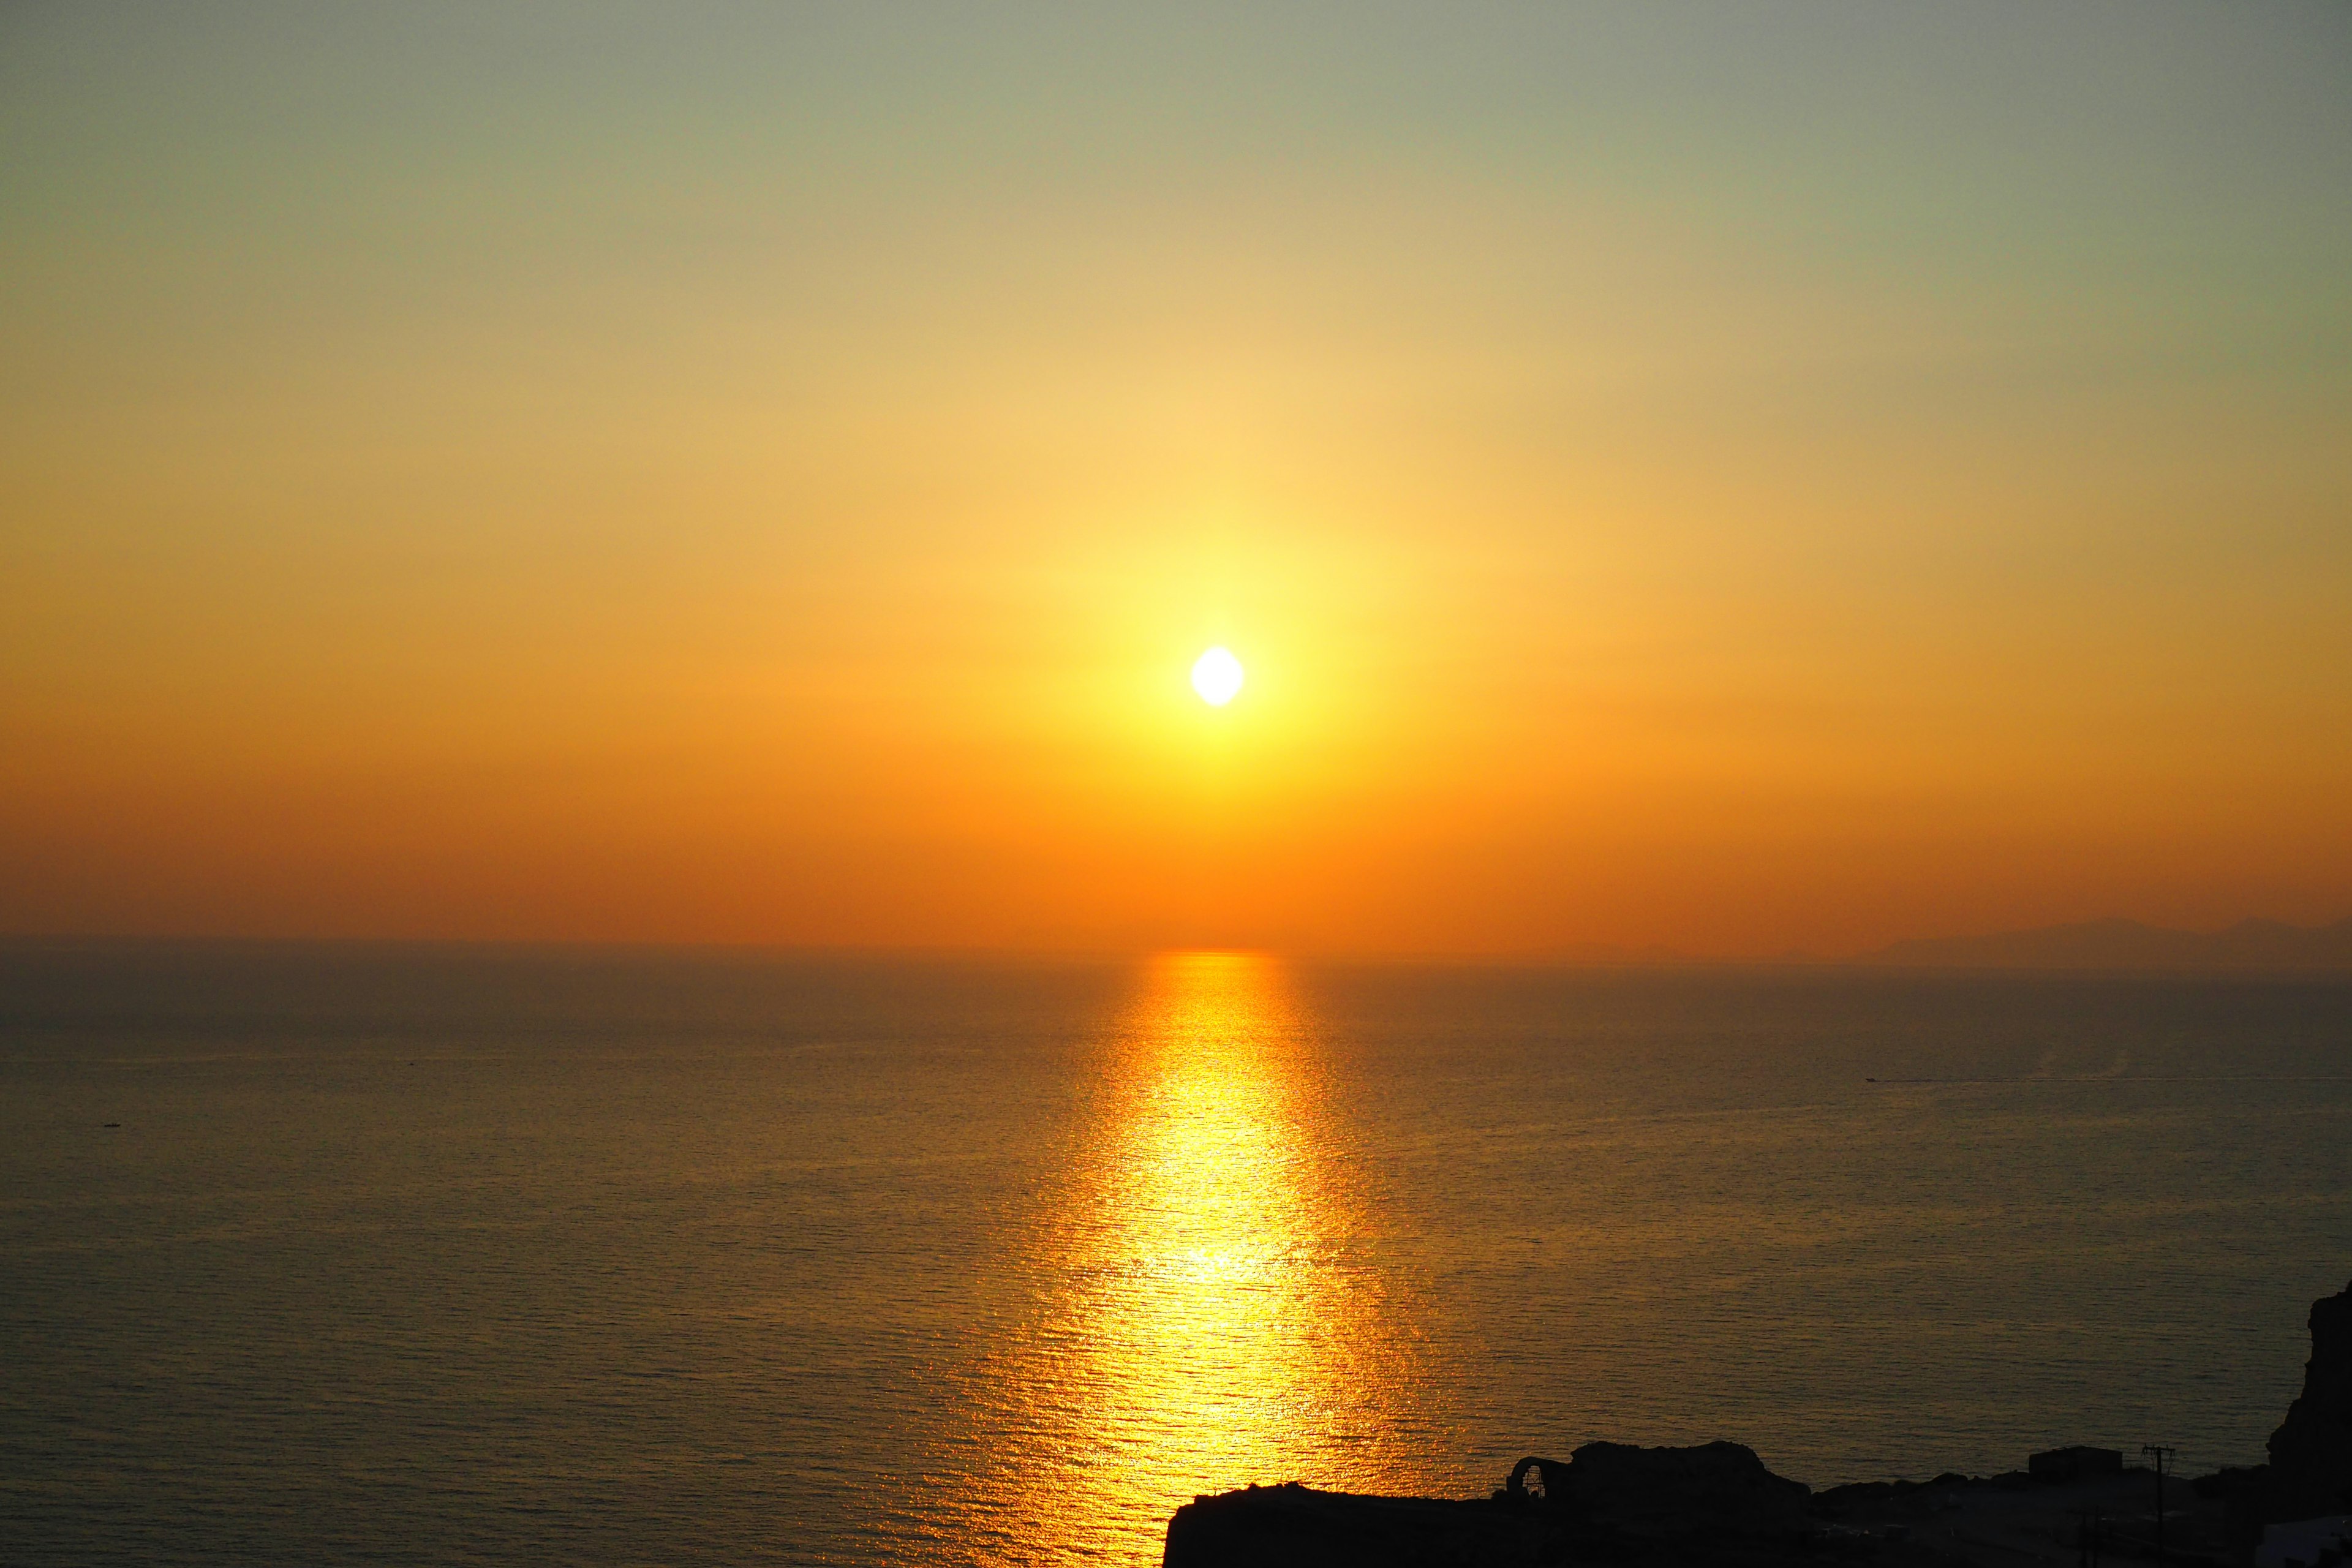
(1610, 1504)
(2255, 946)
(2311, 1453)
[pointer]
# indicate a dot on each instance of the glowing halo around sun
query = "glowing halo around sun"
(1217, 677)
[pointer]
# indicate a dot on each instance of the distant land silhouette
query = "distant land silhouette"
(2250, 945)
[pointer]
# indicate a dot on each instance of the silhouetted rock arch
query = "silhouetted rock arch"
(1554, 1479)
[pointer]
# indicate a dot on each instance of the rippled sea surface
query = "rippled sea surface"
(430, 1255)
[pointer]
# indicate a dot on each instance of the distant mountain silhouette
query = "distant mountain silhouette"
(2128, 944)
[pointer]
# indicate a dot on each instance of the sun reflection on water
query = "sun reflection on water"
(1213, 1319)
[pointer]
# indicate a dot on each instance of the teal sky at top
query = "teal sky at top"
(2183, 166)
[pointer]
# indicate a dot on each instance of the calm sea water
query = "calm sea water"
(439, 1256)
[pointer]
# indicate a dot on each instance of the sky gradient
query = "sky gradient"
(1723, 480)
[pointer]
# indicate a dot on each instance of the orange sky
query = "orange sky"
(1677, 480)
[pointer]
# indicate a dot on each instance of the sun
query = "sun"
(1217, 677)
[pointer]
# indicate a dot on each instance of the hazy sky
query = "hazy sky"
(1721, 477)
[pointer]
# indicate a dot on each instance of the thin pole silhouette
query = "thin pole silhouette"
(2161, 1455)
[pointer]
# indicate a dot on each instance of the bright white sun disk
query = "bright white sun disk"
(1217, 677)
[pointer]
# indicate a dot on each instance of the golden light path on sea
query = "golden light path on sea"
(1215, 1323)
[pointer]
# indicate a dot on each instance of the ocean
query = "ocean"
(346, 1254)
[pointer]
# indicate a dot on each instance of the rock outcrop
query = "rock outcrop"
(1722, 1488)
(1293, 1526)
(1608, 1502)
(2311, 1453)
